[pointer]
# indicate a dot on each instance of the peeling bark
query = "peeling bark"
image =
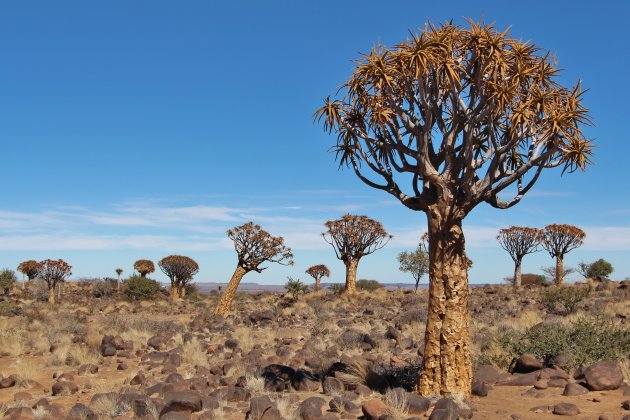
(447, 365)
(318, 285)
(351, 276)
(51, 295)
(230, 291)
(559, 269)
(517, 273)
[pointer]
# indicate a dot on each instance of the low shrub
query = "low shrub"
(582, 342)
(39, 290)
(104, 287)
(7, 281)
(295, 287)
(141, 288)
(7, 308)
(563, 300)
(337, 288)
(368, 285)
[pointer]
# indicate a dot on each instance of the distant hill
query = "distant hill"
(207, 287)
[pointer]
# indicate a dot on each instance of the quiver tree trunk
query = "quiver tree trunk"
(230, 291)
(51, 294)
(447, 366)
(318, 284)
(559, 270)
(351, 276)
(174, 291)
(182, 291)
(517, 273)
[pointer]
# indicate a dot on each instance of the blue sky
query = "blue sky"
(139, 129)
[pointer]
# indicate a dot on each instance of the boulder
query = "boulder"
(566, 409)
(374, 409)
(311, 408)
(525, 363)
(64, 388)
(445, 409)
(183, 402)
(258, 406)
(603, 376)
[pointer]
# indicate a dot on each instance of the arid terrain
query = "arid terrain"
(98, 355)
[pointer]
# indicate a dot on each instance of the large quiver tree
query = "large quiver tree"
(461, 113)
(144, 267)
(54, 272)
(353, 237)
(254, 246)
(180, 270)
(559, 240)
(519, 241)
(30, 269)
(317, 272)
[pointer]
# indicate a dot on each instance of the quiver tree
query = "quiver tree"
(317, 272)
(519, 241)
(54, 272)
(254, 246)
(180, 270)
(461, 113)
(559, 240)
(144, 267)
(30, 269)
(415, 262)
(353, 237)
(119, 271)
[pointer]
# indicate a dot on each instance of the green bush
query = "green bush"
(599, 268)
(368, 285)
(563, 300)
(141, 288)
(582, 342)
(295, 287)
(7, 308)
(7, 280)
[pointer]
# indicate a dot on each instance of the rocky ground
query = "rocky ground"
(320, 356)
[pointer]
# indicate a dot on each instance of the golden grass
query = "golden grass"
(397, 404)
(11, 343)
(286, 409)
(194, 354)
(245, 337)
(356, 374)
(255, 384)
(83, 355)
(26, 373)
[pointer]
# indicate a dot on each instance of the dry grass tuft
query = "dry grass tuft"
(26, 374)
(245, 337)
(193, 353)
(356, 374)
(109, 406)
(286, 409)
(255, 384)
(397, 404)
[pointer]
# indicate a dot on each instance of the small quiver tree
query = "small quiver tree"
(416, 262)
(353, 237)
(254, 246)
(519, 241)
(559, 240)
(54, 272)
(318, 272)
(180, 270)
(144, 267)
(444, 121)
(30, 269)
(119, 271)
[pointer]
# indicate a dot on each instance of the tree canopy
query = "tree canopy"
(465, 112)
